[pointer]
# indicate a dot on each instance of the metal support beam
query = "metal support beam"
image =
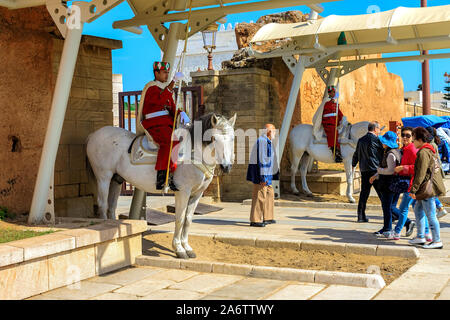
(144, 18)
(55, 124)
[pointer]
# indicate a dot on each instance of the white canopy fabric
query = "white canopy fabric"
(405, 24)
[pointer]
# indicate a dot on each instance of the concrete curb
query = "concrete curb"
(284, 274)
(323, 205)
(340, 247)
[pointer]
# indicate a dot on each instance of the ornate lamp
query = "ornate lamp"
(209, 42)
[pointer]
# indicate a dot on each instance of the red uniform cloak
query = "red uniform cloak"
(329, 122)
(159, 98)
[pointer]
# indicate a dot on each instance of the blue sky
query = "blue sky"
(134, 61)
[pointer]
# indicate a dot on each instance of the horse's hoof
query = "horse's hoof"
(309, 195)
(181, 255)
(191, 254)
(351, 200)
(297, 193)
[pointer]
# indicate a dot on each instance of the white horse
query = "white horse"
(305, 150)
(107, 151)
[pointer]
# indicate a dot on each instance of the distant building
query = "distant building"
(437, 99)
(117, 87)
(197, 57)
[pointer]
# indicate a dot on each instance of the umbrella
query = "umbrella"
(447, 124)
(424, 121)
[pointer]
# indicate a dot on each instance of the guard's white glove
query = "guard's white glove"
(184, 118)
(178, 76)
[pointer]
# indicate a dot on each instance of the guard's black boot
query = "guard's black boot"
(338, 156)
(160, 179)
(172, 185)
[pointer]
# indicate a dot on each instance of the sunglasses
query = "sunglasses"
(406, 135)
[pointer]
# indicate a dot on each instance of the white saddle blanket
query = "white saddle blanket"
(144, 151)
(342, 137)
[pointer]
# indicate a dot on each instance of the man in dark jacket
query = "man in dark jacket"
(262, 169)
(369, 152)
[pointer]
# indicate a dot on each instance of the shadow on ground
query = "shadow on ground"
(347, 236)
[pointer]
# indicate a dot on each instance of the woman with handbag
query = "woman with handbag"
(427, 184)
(385, 174)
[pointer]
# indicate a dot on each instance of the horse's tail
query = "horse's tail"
(91, 188)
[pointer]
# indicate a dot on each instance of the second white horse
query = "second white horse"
(304, 150)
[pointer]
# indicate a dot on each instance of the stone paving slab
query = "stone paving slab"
(424, 282)
(172, 294)
(144, 287)
(301, 291)
(251, 289)
(334, 292)
(79, 291)
(394, 294)
(445, 294)
(115, 296)
(174, 275)
(205, 283)
(126, 276)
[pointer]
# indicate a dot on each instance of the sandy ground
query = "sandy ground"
(159, 244)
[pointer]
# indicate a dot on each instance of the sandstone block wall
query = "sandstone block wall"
(29, 59)
(90, 107)
(246, 92)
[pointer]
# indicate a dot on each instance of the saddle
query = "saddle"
(143, 150)
(343, 136)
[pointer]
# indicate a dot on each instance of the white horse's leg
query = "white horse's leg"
(294, 168)
(113, 197)
(181, 203)
(349, 175)
(193, 201)
(303, 171)
(102, 197)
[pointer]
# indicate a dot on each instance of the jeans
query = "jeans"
(386, 203)
(427, 226)
(427, 207)
(402, 212)
(365, 191)
(396, 211)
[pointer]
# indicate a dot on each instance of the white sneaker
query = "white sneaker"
(433, 245)
(417, 241)
(441, 213)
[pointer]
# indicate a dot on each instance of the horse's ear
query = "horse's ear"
(214, 120)
(233, 120)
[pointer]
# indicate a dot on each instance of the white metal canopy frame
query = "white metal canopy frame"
(152, 13)
(315, 42)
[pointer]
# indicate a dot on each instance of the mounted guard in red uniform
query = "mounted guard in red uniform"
(329, 123)
(158, 113)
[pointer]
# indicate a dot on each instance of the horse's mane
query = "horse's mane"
(206, 123)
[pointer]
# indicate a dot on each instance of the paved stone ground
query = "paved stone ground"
(428, 279)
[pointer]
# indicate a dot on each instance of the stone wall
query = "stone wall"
(25, 99)
(29, 59)
(249, 93)
(90, 108)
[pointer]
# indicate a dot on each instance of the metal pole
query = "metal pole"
(426, 98)
(286, 124)
(138, 203)
(290, 107)
(55, 124)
